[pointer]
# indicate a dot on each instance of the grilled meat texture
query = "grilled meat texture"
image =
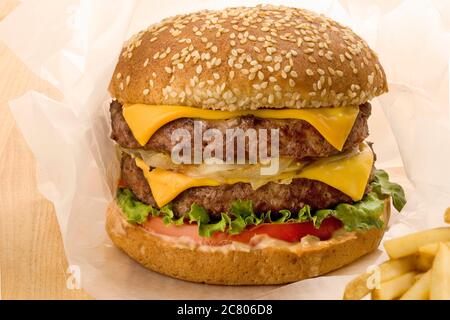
(297, 138)
(271, 196)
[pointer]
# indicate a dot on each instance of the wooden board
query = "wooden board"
(32, 260)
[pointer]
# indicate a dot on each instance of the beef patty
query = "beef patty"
(297, 139)
(271, 196)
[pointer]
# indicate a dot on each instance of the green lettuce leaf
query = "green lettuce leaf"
(205, 229)
(364, 214)
(242, 211)
(383, 187)
(135, 211)
(169, 216)
(198, 214)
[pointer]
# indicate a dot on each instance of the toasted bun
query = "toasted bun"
(248, 58)
(271, 265)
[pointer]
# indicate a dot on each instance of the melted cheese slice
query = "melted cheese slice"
(334, 124)
(347, 173)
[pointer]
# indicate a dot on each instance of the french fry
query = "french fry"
(409, 244)
(424, 261)
(447, 215)
(394, 268)
(431, 248)
(359, 287)
(440, 275)
(420, 290)
(394, 288)
(418, 276)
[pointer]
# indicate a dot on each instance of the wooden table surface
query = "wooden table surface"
(32, 260)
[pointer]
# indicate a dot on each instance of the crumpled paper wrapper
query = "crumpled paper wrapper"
(74, 44)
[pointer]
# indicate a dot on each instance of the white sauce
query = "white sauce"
(258, 242)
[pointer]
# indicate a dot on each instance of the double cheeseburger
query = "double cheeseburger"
(283, 70)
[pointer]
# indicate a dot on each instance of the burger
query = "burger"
(241, 135)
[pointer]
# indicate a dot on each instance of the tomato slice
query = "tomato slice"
(290, 232)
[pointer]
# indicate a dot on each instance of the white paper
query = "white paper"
(74, 44)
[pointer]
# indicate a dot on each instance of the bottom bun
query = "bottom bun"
(272, 264)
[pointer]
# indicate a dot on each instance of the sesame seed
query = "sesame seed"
(339, 73)
(119, 75)
(127, 80)
(260, 75)
(370, 78)
(309, 72)
(146, 92)
(168, 70)
(294, 74)
(291, 83)
(271, 50)
(175, 56)
(277, 59)
(199, 69)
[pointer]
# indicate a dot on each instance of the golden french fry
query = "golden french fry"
(431, 248)
(440, 275)
(424, 261)
(360, 286)
(394, 288)
(396, 267)
(409, 244)
(447, 215)
(420, 290)
(357, 288)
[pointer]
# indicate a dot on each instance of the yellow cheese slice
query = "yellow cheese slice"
(334, 124)
(166, 185)
(348, 173)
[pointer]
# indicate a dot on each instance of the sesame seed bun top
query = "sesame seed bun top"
(248, 58)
